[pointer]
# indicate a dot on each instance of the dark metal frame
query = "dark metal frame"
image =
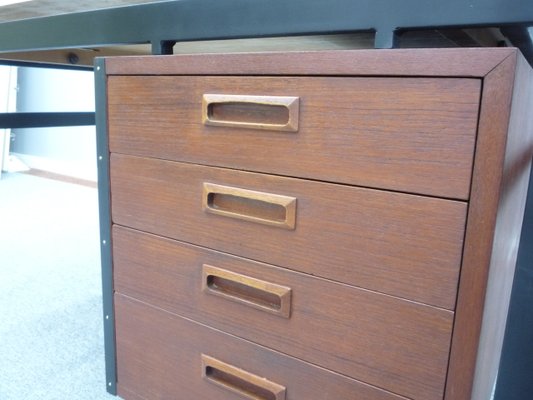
(32, 64)
(45, 119)
(104, 198)
(164, 23)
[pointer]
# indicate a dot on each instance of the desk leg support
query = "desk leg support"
(105, 225)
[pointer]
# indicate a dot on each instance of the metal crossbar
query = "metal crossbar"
(164, 23)
(45, 120)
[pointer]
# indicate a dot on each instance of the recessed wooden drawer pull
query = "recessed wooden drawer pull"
(239, 381)
(275, 113)
(263, 295)
(249, 205)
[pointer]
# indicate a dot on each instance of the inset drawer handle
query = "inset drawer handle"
(249, 205)
(263, 295)
(239, 381)
(275, 113)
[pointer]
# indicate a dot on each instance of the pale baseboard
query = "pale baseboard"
(60, 167)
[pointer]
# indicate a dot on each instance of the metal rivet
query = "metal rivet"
(98, 69)
(109, 384)
(100, 157)
(104, 242)
(107, 317)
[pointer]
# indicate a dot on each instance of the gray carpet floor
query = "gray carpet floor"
(51, 339)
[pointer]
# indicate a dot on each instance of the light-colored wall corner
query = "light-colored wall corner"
(67, 151)
(8, 95)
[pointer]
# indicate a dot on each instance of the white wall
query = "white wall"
(65, 150)
(8, 95)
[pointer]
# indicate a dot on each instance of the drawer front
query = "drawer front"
(162, 356)
(405, 245)
(412, 135)
(394, 344)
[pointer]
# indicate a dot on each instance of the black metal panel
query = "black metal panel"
(45, 120)
(515, 375)
(104, 200)
(159, 23)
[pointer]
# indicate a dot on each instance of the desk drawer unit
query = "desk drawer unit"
(329, 225)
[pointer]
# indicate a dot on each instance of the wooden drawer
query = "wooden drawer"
(412, 135)
(159, 356)
(404, 245)
(391, 343)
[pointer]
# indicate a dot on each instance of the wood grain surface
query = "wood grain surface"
(159, 357)
(404, 245)
(409, 135)
(486, 192)
(466, 62)
(45, 8)
(394, 344)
